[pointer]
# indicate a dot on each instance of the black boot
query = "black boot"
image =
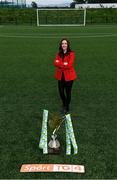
(67, 109)
(63, 110)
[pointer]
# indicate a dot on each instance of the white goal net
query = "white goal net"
(61, 17)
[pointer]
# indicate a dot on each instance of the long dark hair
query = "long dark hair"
(61, 53)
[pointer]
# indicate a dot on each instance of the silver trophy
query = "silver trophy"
(54, 144)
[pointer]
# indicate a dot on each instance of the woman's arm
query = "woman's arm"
(65, 65)
(57, 62)
(71, 61)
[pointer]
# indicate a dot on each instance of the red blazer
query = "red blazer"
(65, 66)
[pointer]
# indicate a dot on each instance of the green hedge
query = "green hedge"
(18, 16)
(28, 16)
(101, 16)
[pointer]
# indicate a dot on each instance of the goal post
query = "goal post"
(61, 17)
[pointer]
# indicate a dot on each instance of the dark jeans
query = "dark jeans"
(65, 88)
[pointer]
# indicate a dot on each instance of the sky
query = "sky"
(47, 2)
(53, 1)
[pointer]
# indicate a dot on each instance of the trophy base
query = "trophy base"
(53, 150)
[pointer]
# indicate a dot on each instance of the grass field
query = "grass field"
(27, 86)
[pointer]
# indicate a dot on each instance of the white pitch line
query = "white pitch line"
(57, 34)
(55, 37)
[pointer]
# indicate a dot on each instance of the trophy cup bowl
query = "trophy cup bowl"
(55, 122)
(54, 145)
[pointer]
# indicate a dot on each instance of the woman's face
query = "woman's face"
(64, 45)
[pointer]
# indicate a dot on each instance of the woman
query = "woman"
(65, 73)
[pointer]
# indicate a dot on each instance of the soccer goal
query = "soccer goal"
(61, 17)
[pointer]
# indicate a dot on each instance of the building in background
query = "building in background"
(13, 3)
(95, 5)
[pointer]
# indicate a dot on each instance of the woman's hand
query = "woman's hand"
(57, 60)
(65, 63)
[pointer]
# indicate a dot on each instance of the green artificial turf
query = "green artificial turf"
(27, 86)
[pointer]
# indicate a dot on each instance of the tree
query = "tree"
(72, 5)
(34, 4)
(80, 1)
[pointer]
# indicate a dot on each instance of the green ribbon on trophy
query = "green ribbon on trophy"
(43, 140)
(70, 137)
